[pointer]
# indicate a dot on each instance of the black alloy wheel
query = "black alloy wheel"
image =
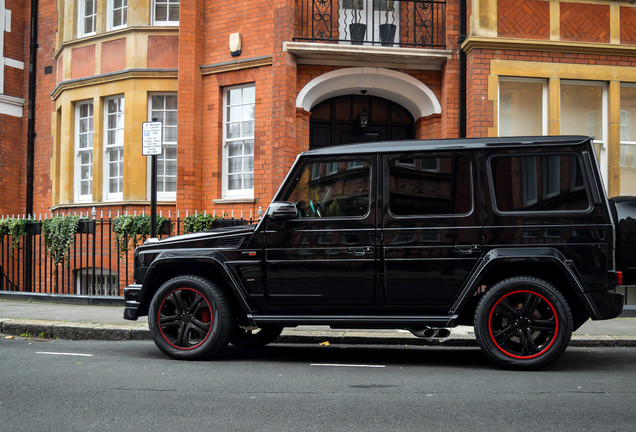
(189, 318)
(523, 323)
(254, 337)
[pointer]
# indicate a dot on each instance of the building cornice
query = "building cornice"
(492, 43)
(113, 76)
(233, 65)
(370, 56)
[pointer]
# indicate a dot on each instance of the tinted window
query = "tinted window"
(429, 185)
(538, 183)
(332, 189)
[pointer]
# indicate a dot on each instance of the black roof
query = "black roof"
(447, 144)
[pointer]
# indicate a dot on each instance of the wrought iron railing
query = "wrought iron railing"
(94, 266)
(404, 23)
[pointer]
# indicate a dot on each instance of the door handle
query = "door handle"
(467, 249)
(360, 250)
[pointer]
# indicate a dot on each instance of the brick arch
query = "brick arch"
(395, 86)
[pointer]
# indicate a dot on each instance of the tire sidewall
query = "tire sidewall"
(538, 287)
(218, 335)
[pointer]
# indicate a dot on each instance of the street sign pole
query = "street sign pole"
(152, 146)
(153, 196)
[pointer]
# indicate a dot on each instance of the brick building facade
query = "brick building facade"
(13, 55)
(243, 88)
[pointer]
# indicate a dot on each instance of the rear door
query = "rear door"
(327, 255)
(431, 231)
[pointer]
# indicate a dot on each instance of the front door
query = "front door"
(431, 231)
(327, 255)
(354, 119)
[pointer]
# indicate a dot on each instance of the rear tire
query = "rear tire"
(523, 323)
(190, 318)
(258, 337)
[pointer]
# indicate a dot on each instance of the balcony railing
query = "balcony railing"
(404, 23)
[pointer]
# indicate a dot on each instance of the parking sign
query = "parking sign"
(151, 138)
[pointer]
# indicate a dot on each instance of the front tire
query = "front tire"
(523, 323)
(189, 318)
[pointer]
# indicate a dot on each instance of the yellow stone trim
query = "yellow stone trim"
(563, 70)
(483, 20)
(615, 23)
(493, 43)
(493, 96)
(554, 106)
(555, 20)
(614, 139)
(90, 82)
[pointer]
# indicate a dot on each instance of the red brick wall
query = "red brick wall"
(189, 165)
(523, 19)
(585, 22)
(12, 144)
(628, 25)
(47, 26)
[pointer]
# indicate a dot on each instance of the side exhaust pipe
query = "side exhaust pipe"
(430, 333)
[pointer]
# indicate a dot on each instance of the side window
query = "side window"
(332, 189)
(430, 185)
(538, 183)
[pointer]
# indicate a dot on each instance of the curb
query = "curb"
(114, 332)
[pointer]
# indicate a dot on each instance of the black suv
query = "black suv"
(512, 235)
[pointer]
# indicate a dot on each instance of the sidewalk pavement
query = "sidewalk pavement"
(43, 318)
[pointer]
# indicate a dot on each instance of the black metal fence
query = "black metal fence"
(404, 23)
(94, 266)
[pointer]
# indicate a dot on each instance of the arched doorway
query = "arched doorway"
(358, 118)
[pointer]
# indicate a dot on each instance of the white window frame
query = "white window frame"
(108, 146)
(79, 197)
(162, 195)
(169, 4)
(82, 16)
(110, 24)
(245, 193)
(544, 101)
(600, 143)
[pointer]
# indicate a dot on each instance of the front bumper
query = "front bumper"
(131, 296)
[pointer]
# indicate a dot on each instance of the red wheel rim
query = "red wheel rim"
(523, 324)
(185, 318)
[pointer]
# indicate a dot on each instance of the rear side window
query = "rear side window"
(430, 185)
(332, 189)
(538, 183)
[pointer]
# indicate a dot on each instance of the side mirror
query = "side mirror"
(282, 210)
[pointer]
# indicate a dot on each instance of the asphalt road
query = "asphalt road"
(130, 386)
